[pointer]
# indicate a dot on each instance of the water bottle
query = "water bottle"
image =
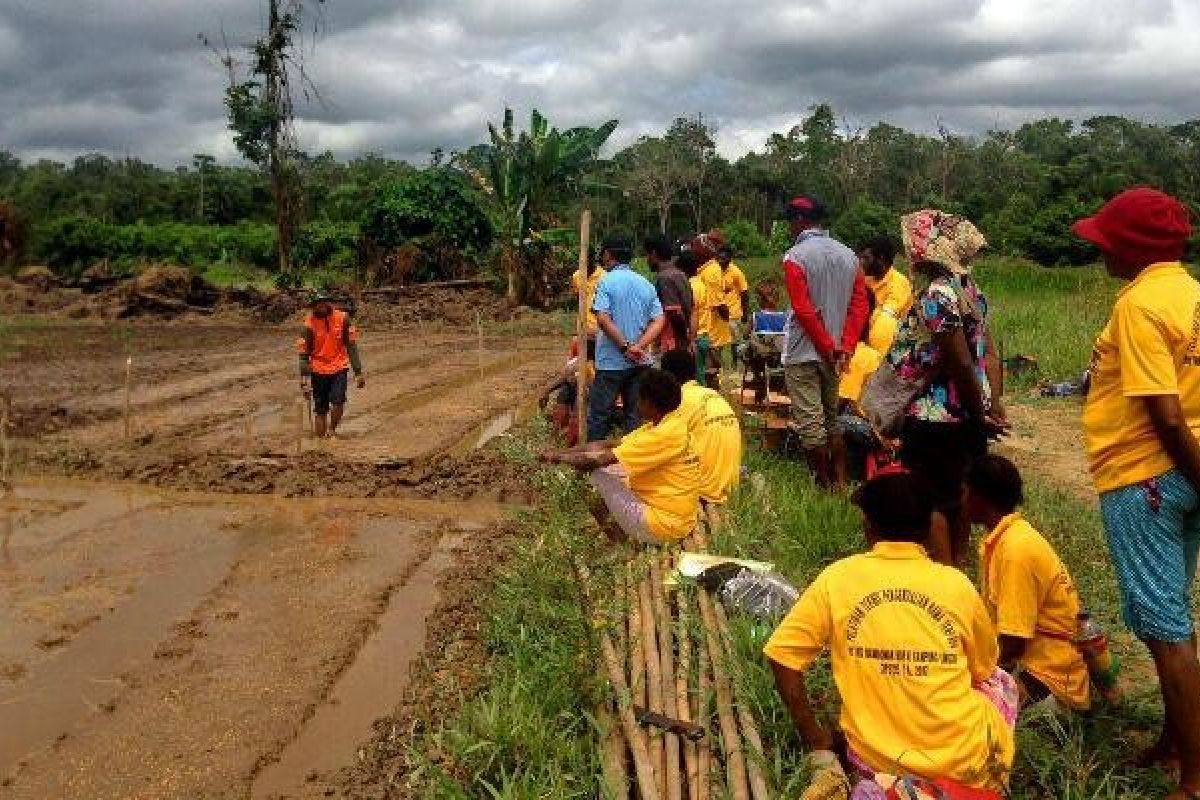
(1102, 667)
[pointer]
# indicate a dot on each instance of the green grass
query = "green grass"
(236, 275)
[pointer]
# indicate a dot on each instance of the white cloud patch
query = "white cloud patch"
(130, 77)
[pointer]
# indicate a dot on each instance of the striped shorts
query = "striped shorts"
(1153, 532)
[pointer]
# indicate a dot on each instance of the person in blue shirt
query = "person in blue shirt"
(630, 318)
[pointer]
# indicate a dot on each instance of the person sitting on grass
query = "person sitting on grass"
(650, 482)
(713, 425)
(915, 659)
(1027, 590)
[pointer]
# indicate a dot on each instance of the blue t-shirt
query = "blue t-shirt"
(632, 303)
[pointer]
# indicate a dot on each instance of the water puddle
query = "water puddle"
(368, 689)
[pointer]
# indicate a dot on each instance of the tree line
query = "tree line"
(1023, 187)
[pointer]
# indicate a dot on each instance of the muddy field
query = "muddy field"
(199, 600)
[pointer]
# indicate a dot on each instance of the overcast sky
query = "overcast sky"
(401, 77)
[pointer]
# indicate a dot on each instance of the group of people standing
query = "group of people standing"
(931, 670)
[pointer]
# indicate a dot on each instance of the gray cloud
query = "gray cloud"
(130, 77)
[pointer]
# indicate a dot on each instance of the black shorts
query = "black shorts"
(941, 453)
(329, 390)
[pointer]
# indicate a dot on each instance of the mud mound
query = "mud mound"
(29, 422)
(39, 278)
(166, 281)
(454, 307)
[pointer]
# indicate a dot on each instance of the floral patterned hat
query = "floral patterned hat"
(945, 239)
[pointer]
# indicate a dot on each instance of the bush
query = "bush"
(433, 202)
(865, 220)
(328, 244)
(744, 238)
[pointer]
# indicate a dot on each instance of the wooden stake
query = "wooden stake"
(637, 660)
(653, 682)
(674, 785)
(755, 757)
(704, 717)
(299, 427)
(735, 760)
(612, 753)
(128, 396)
(249, 431)
(5, 421)
(479, 327)
(581, 382)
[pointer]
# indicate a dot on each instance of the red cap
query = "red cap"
(1139, 226)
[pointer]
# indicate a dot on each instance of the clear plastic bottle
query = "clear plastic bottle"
(1092, 642)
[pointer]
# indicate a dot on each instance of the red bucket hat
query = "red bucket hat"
(1139, 226)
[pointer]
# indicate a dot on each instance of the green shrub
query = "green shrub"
(744, 238)
(865, 220)
(330, 244)
(433, 202)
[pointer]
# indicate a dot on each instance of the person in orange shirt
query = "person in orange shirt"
(328, 348)
(1141, 426)
(1027, 589)
(915, 659)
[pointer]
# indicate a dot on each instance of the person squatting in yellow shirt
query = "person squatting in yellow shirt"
(713, 425)
(893, 296)
(650, 482)
(1027, 590)
(914, 656)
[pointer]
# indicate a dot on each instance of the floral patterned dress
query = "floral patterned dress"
(942, 307)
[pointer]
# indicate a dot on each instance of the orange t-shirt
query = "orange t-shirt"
(328, 354)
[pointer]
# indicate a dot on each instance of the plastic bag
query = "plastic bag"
(762, 595)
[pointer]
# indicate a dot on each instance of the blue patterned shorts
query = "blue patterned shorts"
(1154, 536)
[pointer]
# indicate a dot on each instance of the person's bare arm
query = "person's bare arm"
(585, 458)
(1012, 648)
(1166, 414)
(960, 367)
(605, 321)
(794, 692)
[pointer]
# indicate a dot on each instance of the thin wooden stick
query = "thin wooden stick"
(5, 476)
(653, 681)
(755, 758)
(581, 383)
(637, 661)
(249, 430)
(299, 427)
(735, 761)
(128, 396)
(666, 652)
(646, 781)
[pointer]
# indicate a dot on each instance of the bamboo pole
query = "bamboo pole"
(128, 396)
(672, 777)
(581, 332)
(735, 761)
(704, 717)
(755, 757)
(643, 769)
(653, 681)
(683, 700)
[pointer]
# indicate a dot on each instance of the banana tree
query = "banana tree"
(521, 173)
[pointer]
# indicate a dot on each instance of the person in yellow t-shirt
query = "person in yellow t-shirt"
(598, 272)
(1141, 422)
(705, 247)
(892, 294)
(649, 482)
(701, 321)
(1027, 590)
(913, 653)
(716, 433)
(737, 290)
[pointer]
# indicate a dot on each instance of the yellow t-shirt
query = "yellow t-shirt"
(716, 438)
(907, 639)
(1030, 595)
(893, 293)
(1150, 347)
(719, 332)
(700, 304)
(663, 471)
(589, 294)
(735, 284)
(863, 364)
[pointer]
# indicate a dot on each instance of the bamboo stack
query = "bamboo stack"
(673, 654)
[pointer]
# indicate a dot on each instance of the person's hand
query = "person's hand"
(839, 360)
(995, 427)
(636, 353)
(548, 456)
(828, 777)
(362, 381)
(306, 387)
